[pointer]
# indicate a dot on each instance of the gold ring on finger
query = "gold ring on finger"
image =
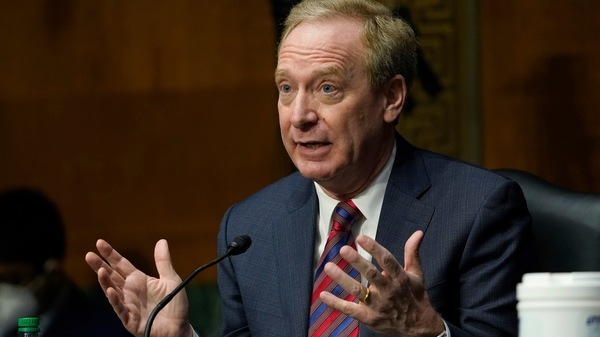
(366, 297)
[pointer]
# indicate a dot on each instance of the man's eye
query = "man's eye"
(286, 88)
(328, 88)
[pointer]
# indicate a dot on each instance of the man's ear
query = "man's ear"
(395, 94)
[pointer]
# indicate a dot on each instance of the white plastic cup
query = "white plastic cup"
(559, 305)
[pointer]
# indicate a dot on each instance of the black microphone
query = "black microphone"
(238, 246)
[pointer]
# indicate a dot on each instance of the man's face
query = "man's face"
(332, 122)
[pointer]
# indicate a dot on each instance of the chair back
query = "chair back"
(566, 223)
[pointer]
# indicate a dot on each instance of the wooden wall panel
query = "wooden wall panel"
(441, 114)
(540, 74)
(142, 120)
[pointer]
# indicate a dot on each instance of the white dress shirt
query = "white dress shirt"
(369, 202)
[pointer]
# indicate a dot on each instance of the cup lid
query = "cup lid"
(560, 286)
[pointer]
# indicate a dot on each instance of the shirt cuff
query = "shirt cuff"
(447, 332)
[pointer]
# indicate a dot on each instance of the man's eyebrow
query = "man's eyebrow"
(329, 71)
(320, 72)
(280, 72)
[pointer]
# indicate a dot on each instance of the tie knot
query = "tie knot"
(345, 215)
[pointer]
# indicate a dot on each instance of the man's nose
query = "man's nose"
(304, 111)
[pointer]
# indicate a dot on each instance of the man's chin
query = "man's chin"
(315, 174)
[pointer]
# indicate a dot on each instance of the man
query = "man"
(451, 240)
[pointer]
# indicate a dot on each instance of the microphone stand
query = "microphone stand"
(238, 246)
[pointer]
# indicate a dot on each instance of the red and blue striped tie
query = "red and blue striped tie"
(325, 321)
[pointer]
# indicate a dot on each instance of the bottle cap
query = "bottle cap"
(29, 324)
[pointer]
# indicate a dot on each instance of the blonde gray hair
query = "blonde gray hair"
(390, 43)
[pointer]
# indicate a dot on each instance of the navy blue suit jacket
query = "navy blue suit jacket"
(476, 247)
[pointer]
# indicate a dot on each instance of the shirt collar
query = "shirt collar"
(369, 202)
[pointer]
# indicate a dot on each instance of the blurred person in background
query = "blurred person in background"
(32, 282)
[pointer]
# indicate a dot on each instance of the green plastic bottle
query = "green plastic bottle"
(28, 327)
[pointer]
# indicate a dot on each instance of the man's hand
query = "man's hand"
(397, 303)
(133, 294)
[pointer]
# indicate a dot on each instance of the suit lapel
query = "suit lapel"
(403, 212)
(294, 239)
(399, 219)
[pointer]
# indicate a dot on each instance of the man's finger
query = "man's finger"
(94, 261)
(364, 267)
(412, 261)
(342, 278)
(120, 264)
(349, 308)
(110, 276)
(386, 260)
(162, 259)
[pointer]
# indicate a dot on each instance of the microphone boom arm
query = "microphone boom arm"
(239, 245)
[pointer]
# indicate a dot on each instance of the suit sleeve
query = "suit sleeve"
(498, 251)
(233, 315)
